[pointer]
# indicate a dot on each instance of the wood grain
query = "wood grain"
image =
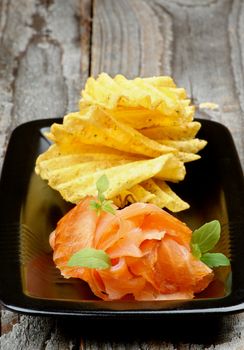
(48, 49)
(43, 61)
(122, 42)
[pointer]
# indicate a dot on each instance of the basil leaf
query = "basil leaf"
(90, 257)
(95, 205)
(207, 235)
(215, 259)
(102, 204)
(106, 206)
(102, 184)
(196, 251)
(101, 197)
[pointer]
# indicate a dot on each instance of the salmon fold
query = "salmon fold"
(149, 250)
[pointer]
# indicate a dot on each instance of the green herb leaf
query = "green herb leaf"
(90, 257)
(215, 259)
(102, 184)
(207, 236)
(106, 206)
(102, 204)
(196, 251)
(95, 205)
(101, 197)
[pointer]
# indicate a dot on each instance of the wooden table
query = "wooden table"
(50, 47)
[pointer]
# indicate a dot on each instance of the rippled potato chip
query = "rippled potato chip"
(139, 133)
(111, 93)
(179, 132)
(121, 178)
(187, 146)
(135, 194)
(164, 196)
(102, 129)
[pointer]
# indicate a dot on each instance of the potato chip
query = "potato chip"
(164, 196)
(52, 152)
(187, 146)
(187, 157)
(160, 81)
(180, 92)
(179, 132)
(111, 93)
(69, 142)
(139, 133)
(135, 194)
(140, 194)
(102, 129)
(174, 170)
(120, 178)
(52, 161)
(139, 118)
(123, 199)
(177, 203)
(61, 175)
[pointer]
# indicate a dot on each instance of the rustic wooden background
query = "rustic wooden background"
(48, 48)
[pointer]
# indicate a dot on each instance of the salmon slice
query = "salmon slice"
(74, 231)
(149, 250)
(150, 293)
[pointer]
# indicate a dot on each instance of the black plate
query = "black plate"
(29, 210)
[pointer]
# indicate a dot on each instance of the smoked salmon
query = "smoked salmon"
(149, 249)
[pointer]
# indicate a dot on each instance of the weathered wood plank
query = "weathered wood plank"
(43, 63)
(42, 58)
(124, 42)
(29, 333)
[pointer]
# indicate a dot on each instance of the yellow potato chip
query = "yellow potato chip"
(177, 203)
(102, 129)
(188, 114)
(180, 92)
(44, 167)
(120, 178)
(52, 152)
(139, 118)
(69, 142)
(173, 171)
(140, 194)
(140, 93)
(164, 196)
(172, 132)
(123, 199)
(187, 157)
(52, 161)
(135, 194)
(72, 172)
(160, 81)
(112, 93)
(103, 92)
(187, 146)
(120, 126)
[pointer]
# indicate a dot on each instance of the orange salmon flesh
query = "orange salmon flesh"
(149, 250)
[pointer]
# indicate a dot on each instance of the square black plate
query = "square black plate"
(29, 210)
